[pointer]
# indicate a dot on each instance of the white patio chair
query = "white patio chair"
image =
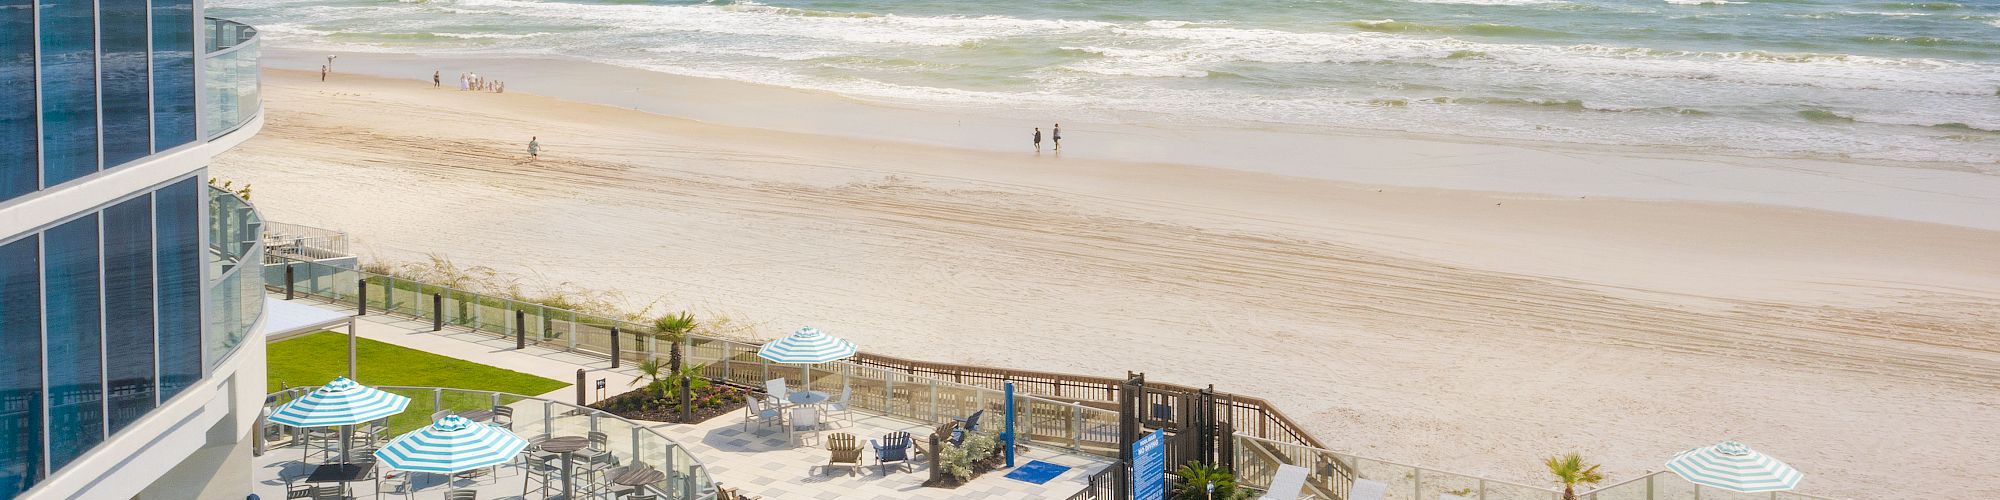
(805, 421)
(1368, 490)
(757, 410)
(842, 407)
(778, 391)
(1286, 483)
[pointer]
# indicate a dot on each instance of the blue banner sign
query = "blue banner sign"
(1149, 467)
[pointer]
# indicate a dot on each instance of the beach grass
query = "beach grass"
(314, 359)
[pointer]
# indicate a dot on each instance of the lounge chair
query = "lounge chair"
(894, 447)
(1289, 480)
(1364, 489)
(845, 451)
(463, 495)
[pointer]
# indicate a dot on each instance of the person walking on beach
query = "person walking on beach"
(322, 73)
(1038, 139)
(437, 79)
(534, 147)
(1055, 136)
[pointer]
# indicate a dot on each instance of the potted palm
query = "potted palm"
(1570, 471)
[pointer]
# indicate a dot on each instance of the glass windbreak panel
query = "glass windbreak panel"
(76, 396)
(178, 261)
(128, 120)
(173, 73)
(20, 365)
(69, 90)
(128, 307)
(19, 169)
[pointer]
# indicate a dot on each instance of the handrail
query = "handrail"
(1350, 456)
(1650, 477)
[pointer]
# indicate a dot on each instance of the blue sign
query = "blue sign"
(1149, 467)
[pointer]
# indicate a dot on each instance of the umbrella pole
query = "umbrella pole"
(346, 439)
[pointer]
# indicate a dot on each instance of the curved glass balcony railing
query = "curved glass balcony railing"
(230, 85)
(628, 442)
(236, 293)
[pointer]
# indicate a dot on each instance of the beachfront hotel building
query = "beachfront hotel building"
(123, 306)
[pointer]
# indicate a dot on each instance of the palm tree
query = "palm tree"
(1570, 471)
(1202, 482)
(650, 370)
(673, 328)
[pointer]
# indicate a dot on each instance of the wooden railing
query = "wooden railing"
(1246, 414)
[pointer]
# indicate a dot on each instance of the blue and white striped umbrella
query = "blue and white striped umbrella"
(1734, 466)
(450, 445)
(340, 402)
(807, 346)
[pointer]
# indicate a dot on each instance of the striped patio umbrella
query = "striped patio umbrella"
(451, 444)
(340, 402)
(1734, 466)
(807, 346)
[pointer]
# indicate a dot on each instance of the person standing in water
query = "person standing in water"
(534, 147)
(1038, 139)
(1055, 136)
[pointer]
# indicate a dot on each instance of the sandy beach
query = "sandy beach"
(1465, 306)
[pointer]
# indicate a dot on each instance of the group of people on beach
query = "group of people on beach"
(1055, 135)
(470, 81)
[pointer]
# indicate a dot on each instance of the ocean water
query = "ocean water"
(1869, 79)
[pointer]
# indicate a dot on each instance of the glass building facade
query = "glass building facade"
(101, 316)
(101, 311)
(116, 83)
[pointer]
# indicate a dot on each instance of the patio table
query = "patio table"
(343, 473)
(637, 476)
(807, 397)
(567, 446)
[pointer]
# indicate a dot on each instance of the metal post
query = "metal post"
(437, 312)
(495, 397)
(352, 368)
(1417, 486)
(290, 282)
(614, 347)
(520, 329)
(888, 394)
(635, 445)
(549, 409)
(437, 400)
(389, 295)
(934, 405)
(1009, 436)
(361, 287)
(581, 393)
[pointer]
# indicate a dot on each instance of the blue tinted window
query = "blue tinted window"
(128, 120)
(128, 304)
(178, 246)
(71, 313)
(69, 90)
(20, 366)
(173, 73)
(18, 169)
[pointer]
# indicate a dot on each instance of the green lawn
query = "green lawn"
(310, 360)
